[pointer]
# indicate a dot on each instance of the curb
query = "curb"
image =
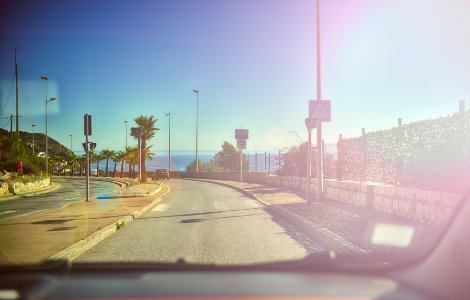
(75, 250)
(335, 242)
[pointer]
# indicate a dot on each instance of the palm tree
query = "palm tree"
(115, 158)
(120, 156)
(129, 155)
(95, 157)
(106, 154)
(73, 162)
(81, 163)
(147, 131)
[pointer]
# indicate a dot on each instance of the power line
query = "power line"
(8, 98)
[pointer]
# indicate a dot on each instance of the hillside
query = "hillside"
(55, 148)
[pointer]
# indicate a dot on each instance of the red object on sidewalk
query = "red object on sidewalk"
(20, 168)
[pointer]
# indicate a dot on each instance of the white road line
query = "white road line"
(252, 204)
(161, 207)
(71, 198)
(24, 215)
(7, 212)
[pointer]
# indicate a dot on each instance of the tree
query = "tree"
(147, 131)
(96, 157)
(81, 163)
(130, 156)
(107, 155)
(228, 159)
(121, 155)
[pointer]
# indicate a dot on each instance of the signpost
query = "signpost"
(135, 132)
(319, 111)
(87, 132)
(241, 135)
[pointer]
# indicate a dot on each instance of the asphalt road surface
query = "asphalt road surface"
(204, 223)
(71, 190)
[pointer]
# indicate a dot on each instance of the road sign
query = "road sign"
(310, 123)
(87, 124)
(241, 134)
(320, 110)
(135, 131)
(241, 144)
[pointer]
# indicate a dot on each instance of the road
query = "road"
(204, 223)
(71, 190)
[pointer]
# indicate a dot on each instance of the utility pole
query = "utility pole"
(17, 96)
(126, 132)
(169, 142)
(319, 123)
(32, 129)
(197, 124)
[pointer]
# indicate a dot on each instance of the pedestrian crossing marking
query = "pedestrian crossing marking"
(161, 207)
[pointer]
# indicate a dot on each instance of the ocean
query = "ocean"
(181, 158)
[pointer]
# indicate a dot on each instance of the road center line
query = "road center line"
(7, 212)
(24, 215)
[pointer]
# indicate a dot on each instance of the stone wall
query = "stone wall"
(30, 187)
(420, 205)
(3, 189)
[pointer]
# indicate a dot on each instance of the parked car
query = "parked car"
(161, 173)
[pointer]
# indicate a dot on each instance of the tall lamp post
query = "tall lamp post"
(169, 142)
(45, 80)
(197, 122)
(125, 121)
(47, 151)
(71, 149)
(32, 131)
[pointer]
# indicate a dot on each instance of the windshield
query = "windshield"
(231, 132)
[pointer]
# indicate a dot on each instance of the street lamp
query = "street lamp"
(197, 121)
(47, 150)
(71, 143)
(32, 131)
(169, 142)
(125, 121)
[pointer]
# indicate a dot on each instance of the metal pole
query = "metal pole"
(169, 142)
(241, 165)
(269, 163)
(47, 155)
(139, 154)
(126, 133)
(17, 96)
(32, 130)
(309, 163)
(265, 162)
(319, 124)
(71, 144)
(87, 168)
(248, 159)
(197, 124)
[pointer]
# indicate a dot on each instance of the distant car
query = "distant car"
(161, 173)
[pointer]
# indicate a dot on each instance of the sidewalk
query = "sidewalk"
(32, 239)
(342, 227)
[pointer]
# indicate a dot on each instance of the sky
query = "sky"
(253, 61)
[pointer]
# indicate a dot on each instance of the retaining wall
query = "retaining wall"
(430, 207)
(30, 187)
